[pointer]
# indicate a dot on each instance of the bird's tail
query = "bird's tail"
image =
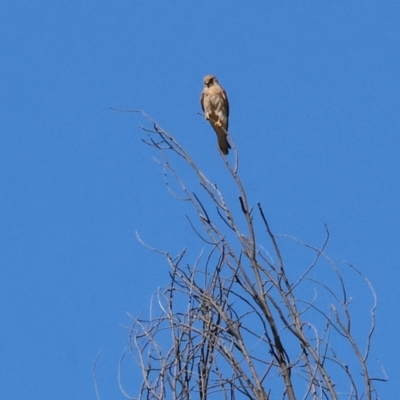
(222, 140)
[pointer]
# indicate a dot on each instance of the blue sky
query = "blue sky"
(314, 91)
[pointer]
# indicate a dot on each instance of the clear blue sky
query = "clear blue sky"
(314, 90)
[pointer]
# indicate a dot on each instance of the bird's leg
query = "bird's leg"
(218, 123)
(207, 116)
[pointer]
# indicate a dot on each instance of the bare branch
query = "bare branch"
(237, 323)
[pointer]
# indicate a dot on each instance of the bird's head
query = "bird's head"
(210, 80)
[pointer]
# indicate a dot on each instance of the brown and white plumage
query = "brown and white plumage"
(215, 105)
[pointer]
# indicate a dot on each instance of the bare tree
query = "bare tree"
(240, 321)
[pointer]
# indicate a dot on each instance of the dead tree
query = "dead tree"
(240, 322)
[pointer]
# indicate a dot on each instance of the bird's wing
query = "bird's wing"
(202, 100)
(225, 97)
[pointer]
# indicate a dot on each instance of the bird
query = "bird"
(214, 103)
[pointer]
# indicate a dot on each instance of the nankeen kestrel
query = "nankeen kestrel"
(215, 105)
